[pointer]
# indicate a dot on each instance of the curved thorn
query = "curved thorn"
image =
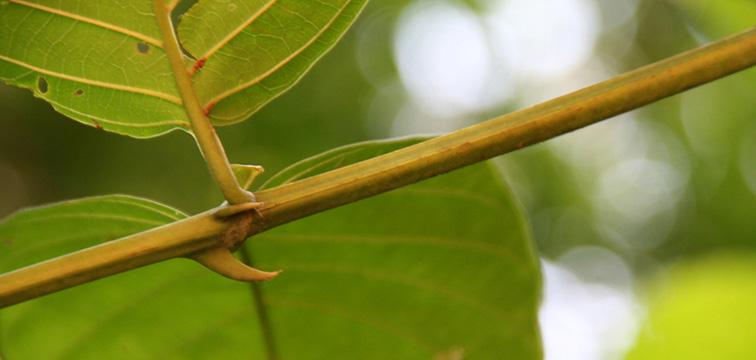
(221, 261)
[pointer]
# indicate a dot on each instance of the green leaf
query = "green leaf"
(102, 63)
(37, 234)
(98, 62)
(444, 268)
(438, 269)
(336, 158)
(702, 309)
(253, 51)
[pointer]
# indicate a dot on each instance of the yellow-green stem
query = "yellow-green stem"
(209, 144)
(421, 161)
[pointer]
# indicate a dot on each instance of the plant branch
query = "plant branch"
(508, 132)
(204, 133)
(399, 168)
(188, 236)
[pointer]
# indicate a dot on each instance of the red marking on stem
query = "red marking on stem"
(209, 108)
(198, 65)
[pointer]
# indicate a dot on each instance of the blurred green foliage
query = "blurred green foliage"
(702, 310)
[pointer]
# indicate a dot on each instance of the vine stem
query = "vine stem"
(402, 167)
(202, 129)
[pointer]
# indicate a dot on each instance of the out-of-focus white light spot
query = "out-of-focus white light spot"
(636, 202)
(638, 189)
(633, 173)
(599, 146)
(412, 120)
(589, 73)
(615, 13)
(599, 265)
(544, 38)
(587, 320)
(444, 60)
(747, 158)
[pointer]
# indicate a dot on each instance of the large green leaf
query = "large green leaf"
(98, 62)
(41, 233)
(102, 63)
(443, 268)
(253, 51)
(435, 269)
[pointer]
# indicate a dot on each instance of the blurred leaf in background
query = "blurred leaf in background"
(702, 309)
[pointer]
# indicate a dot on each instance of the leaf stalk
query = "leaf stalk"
(202, 129)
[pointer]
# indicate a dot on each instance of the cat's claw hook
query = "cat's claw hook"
(220, 260)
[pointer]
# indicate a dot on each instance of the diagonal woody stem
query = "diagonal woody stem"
(399, 168)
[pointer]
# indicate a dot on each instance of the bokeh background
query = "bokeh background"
(625, 213)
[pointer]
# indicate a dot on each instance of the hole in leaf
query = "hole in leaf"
(143, 47)
(78, 92)
(42, 85)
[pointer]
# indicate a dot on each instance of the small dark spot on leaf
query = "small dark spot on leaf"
(7, 242)
(42, 85)
(96, 124)
(78, 92)
(143, 47)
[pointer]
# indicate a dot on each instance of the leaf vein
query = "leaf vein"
(238, 30)
(132, 89)
(180, 123)
(281, 64)
(102, 24)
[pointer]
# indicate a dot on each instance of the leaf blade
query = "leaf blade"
(96, 62)
(441, 268)
(433, 253)
(240, 75)
(89, 221)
